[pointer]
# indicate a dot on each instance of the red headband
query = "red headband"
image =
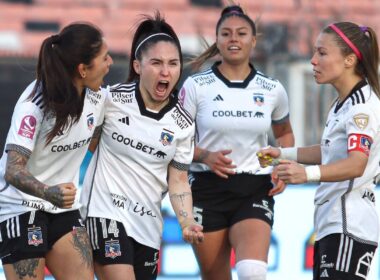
(348, 42)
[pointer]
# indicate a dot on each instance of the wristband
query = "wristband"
(289, 153)
(313, 173)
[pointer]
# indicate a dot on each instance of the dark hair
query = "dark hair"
(150, 31)
(58, 60)
(211, 51)
(364, 39)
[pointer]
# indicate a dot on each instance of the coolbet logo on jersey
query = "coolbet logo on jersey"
(359, 142)
(28, 127)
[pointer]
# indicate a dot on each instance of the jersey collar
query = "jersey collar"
(230, 84)
(157, 116)
(357, 87)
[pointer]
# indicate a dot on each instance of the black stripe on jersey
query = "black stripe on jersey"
(356, 96)
(344, 217)
(20, 149)
(173, 101)
(38, 100)
(230, 84)
(123, 87)
(96, 158)
(206, 72)
(179, 166)
(265, 76)
(184, 113)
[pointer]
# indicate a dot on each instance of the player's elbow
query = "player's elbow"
(8, 176)
(358, 170)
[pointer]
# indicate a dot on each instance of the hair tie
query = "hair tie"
(147, 38)
(348, 42)
(363, 29)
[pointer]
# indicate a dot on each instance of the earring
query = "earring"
(83, 75)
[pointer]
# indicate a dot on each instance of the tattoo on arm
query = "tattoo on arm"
(54, 195)
(26, 268)
(81, 243)
(97, 132)
(180, 196)
(202, 155)
(17, 175)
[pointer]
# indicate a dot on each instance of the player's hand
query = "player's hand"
(291, 172)
(268, 156)
(279, 185)
(61, 195)
(192, 231)
(220, 164)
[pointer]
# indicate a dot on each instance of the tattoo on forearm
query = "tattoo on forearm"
(97, 132)
(82, 244)
(202, 155)
(20, 177)
(26, 268)
(54, 195)
(183, 213)
(180, 196)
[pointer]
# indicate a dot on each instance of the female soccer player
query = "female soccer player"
(346, 162)
(234, 107)
(51, 129)
(145, 149)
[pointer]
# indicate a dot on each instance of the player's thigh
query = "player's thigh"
(251, 227)
(213, 254)
(114, 271)
(28, 269)
(250, 239)
(71, 256)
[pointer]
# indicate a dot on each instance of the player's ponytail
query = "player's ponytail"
(57, 67)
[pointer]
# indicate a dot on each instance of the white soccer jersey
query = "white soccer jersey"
(55, 163)
(127, 176)
(234, 115)
(349, 206)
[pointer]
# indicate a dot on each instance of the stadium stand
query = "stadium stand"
(116, 18)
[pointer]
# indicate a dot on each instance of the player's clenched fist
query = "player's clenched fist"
(61, 195)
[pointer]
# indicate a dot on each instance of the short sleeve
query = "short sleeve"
(26, 120)
(105, 92)
(185, 150)
(362, 120)
(281, 109)
(187, 97)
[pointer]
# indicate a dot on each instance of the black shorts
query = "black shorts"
(339, 257)
(112, 245)
(219, 203)
(33, 234)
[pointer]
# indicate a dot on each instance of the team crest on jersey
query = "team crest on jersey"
(90, 121)
(258, 98)
(28, 127)
(35, 236)
(112, 249)
(166, 137)
(361, 121)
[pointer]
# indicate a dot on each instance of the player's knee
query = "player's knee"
(251, 270)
